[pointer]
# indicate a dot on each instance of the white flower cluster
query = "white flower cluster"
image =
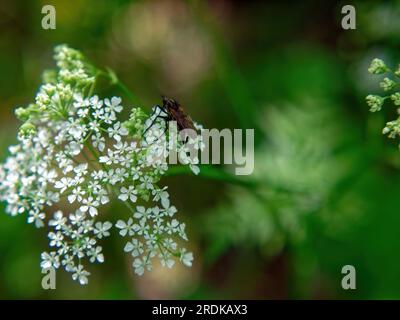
(74, 151)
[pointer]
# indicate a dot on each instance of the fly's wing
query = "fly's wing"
(182, 119)
(176, 113)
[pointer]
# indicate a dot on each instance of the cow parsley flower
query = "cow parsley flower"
(74, 147)
(128, 193)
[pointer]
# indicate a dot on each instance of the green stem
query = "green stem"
(112, 77)
(216, 173)
(91, 89)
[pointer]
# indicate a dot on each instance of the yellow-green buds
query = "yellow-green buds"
(377, 67)
(374, 102)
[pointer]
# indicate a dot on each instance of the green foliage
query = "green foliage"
(297, 174)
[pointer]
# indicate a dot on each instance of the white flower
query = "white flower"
(116, 131)
(37, 218)
(77, 194)
(126, 227)
(83, 112)
(170, 244)
(94, 125)
(80, 102)
(75, 129)
(140, 265)
(81, 169)
(68, 263)
(157, 217)
(158, 227)
(81, 275)
(181, 231)
(170, 211)
(114, 105)
(102, 196)
(142, 228)
(147, 183)
(166, 260)
(77, 217)
(96, 255)
(135, 247)
(49, 260)
(161, 195)
(58, 221)
(109, 159)
(142, 212)
(56, 239)
(74, 148)
(63, 184)
(186, 258)
(99, 141)
(101, 229)
(172, 226)
(129, 193)
(96, 102)
(91, 205)
(98, 113)
(48, 175)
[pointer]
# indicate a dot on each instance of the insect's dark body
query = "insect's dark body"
(175, 113)
(172, 111)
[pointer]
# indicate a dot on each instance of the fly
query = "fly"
(171, 110)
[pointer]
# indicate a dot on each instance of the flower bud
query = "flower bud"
(27, 129)
(374, 102)
(387, 84)
(377, 66)
(396, 98)
(22, 114)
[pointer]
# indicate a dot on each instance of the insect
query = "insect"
(176, 113)
(172, 111)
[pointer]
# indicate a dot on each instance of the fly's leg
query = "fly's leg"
(166, 119)
(155, 119)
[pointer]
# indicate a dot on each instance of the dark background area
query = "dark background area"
(328, 180)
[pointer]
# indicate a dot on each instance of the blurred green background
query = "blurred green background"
(325, 189)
